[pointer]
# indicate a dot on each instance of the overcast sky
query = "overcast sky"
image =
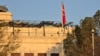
(51, 9)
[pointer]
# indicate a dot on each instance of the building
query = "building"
(4, 14)
(32, 41)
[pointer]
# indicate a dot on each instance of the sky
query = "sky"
(50, 10)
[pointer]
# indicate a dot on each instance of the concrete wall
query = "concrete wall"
(5, 16)
(32, 40)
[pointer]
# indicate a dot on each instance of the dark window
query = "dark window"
(28, 54)
(15, 54)
(42, 54)
(54, 54)
(2, 54)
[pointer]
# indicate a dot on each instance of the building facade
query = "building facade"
(32, 41)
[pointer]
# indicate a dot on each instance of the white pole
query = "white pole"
(62, 41)
(93, 41)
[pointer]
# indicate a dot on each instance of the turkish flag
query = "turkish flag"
(63, 15)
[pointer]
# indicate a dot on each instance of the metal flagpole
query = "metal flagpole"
(63, 42)
(63, 36)
(63, 26)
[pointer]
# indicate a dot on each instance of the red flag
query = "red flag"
(63, 15)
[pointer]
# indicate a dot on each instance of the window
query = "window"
(28, 54)
(54, 54)
(42, 54)
(15, 54)
(2, 54)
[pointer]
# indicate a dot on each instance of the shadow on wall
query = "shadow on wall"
(57, 49)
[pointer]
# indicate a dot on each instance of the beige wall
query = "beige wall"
(6, 16)
(33, 41)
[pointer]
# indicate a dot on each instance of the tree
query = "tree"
(82, 34)
(78, 36)
(70, 45)
(80, 40)
(97, 22)
(87, 26)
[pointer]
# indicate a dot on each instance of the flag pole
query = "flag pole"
(63, 26)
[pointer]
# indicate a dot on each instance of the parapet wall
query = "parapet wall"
(5, 16)
(32, 39)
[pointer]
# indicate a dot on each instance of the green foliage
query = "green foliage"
(78, 36)
(97, 46)
(97, 18)
(83, 35)
(79, 42)
(70, 45)
(97, 22)
(87, 26)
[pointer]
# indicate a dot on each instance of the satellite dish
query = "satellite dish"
(3, 9)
